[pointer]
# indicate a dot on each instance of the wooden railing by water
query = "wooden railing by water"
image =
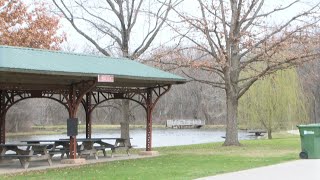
(185, 123)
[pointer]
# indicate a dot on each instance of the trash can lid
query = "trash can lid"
(309, 125)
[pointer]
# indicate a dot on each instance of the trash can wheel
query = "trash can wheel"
(303, 155)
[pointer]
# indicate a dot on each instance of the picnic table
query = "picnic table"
(57, 146)
(257, 132)
(61, 146)
(90, 147)
(25, 153)
(120, 143)
(87, 148)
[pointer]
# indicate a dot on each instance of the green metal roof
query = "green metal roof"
(36, 61)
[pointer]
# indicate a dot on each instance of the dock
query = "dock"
(185, 123)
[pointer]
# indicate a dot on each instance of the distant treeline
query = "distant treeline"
(279, 101)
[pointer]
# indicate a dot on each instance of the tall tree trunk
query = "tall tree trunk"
(269, 133)
(232, 119)
(206, 114)
(313, 107)
(124, 124)
(316, 108)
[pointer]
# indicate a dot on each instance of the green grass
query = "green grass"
(183, 162)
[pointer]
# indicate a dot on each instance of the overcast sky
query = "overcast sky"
(78, 43)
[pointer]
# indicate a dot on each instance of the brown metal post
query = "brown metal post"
(74, 101)
(149, 121)
(3, 128)
(88, 115)
(150, 104)
(2, 118)
(72, 114)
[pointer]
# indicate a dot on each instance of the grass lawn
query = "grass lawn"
(183, 162)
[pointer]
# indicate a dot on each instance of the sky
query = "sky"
(78, 43)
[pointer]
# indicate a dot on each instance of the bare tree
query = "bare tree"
(110, 26)
(241, 43)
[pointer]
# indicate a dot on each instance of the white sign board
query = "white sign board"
(105, 78)
(308, 132)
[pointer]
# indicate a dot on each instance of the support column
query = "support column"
(72, 114)
(74, 98)
(88, 115)
(2, 118)
(149, 105)
(149, 121)
(3, 128)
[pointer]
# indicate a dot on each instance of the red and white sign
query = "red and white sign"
(105, 78)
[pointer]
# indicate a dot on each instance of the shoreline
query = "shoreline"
(61, 129)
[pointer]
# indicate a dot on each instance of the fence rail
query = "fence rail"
(185, 123)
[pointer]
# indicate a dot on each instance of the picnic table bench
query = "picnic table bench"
(30, 152)
(87, 148)
(91, 146)
(119, 143)
(61, 146)
(57, 146)
(257, 132)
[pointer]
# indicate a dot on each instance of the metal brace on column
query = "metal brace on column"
(150, 104)
(149, 121)
(74, 98)
(88, 109)
(10, 97)
(2, 117)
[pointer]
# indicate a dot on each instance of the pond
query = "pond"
(160, 137)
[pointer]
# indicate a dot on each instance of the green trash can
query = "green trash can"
(310, 141)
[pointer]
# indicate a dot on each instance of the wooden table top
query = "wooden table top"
(24, 144)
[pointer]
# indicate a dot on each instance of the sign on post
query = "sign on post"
(72, 127)
(105, 78)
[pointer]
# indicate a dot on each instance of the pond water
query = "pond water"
(160, 137)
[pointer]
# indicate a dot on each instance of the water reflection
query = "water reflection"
(160, 137)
